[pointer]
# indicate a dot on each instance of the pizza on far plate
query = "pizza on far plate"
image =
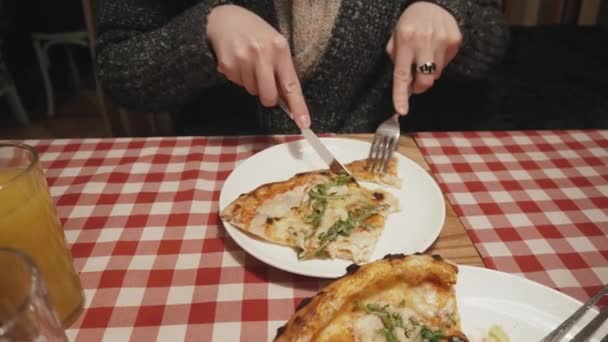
(320, 214)
(399, 298)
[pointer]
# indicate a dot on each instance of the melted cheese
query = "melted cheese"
(425, 300)
(284, 219)
(369, 327)
(281, 204)
(357, 247)
(360, 244)
(275, 219)
(425, 304)
(365, 329)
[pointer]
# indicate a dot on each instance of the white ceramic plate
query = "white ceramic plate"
(413, 229)
(526, 310)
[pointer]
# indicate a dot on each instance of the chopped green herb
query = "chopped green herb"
(345, 227)
(319, 196)
(402, 303)
(389, 320)
(342, 178)
(414, 322)
(430, 335)
(409, 329)
(451, 321)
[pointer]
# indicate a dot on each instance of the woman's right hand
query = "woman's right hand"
(252, 54)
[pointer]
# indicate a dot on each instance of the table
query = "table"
(140, 215)
(141, 218)
(534, 202)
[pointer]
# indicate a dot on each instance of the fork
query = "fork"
(384, 144)
(587, 330)
(385, 139)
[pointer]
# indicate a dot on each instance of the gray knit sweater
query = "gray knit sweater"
(152, 55)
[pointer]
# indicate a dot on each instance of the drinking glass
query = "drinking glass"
(29, 224)
(25, 311)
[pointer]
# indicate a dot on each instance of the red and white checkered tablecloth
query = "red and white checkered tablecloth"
(534, 203)
(155, 263)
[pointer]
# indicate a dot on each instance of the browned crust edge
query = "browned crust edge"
(241, 211)
(359, 169)
(312, 314)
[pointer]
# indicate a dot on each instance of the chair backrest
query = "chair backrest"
(89, 9)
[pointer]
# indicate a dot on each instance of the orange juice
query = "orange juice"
(28, 222)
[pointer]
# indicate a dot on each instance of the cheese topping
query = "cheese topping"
(424, 300)
(357, 247)
(322, 216)
(385, 322)
(365, 329)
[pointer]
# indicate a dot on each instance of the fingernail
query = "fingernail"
(401, 109)
(304, 121)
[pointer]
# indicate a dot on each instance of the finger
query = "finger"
(440, 57)
(289, 84)
(402, 77)
(267, 88)
(453, 42)
(248, 78)
(452, 49)
(423, 81)
(390, 49)
(228, 69)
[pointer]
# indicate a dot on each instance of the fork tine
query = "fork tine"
(377, 153)
(372, 155)
(392, 143)
(383, 154)
(383, 146)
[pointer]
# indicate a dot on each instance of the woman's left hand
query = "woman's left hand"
(426, 34)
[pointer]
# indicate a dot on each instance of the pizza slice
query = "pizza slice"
(318, 213)
(398, 298)
(360, 170)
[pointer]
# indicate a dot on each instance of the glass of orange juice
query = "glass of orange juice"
(25, 311)
(29, 224)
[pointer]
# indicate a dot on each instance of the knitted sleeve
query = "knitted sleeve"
(485, 35)
(153, 55)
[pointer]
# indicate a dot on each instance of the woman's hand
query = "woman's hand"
(425, 34)
(252, 54)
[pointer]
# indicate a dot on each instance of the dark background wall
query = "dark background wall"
(19, 19)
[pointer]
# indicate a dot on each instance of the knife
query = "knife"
(334, 165)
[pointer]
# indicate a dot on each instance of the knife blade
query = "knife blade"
(334, 165)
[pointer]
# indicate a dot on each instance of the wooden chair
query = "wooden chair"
(8, 89)
(43, 42)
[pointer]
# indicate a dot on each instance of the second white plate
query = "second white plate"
(411, 230)
(526, 310)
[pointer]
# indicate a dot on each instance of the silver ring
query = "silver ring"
(427, 68)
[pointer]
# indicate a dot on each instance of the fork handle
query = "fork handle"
(566, 325)
(588, 330)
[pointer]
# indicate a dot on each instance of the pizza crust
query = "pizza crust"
(360, 170)
(334, 313)
(244, 212)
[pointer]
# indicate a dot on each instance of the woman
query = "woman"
(341, 66)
